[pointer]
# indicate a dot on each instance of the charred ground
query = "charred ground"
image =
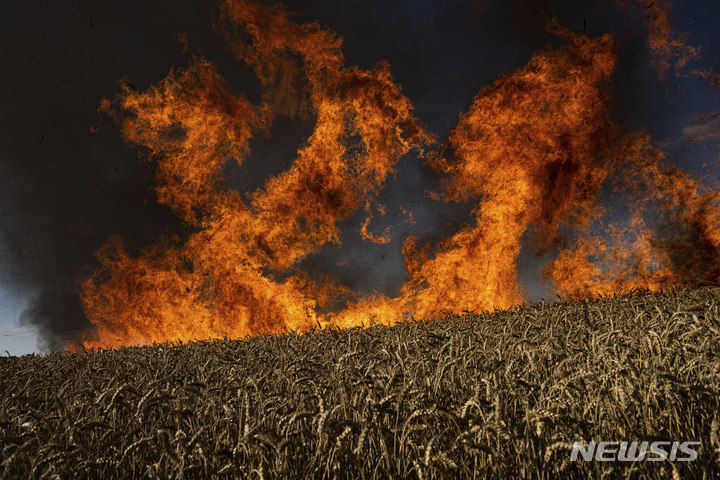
(499, 395)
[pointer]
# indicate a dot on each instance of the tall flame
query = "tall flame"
(217, 282)
(533, 151)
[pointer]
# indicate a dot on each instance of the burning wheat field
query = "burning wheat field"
(315, 240)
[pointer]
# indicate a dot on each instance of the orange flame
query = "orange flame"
(365, 233)
(217, 282)
(669, 49)
(531, 146)
(682, 248)
(534, 151)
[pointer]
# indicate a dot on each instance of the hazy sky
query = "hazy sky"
(66, 189)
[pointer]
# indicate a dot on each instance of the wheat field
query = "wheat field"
(500, 395)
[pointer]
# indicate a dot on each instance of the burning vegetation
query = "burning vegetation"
(534, 152)
(226, 348)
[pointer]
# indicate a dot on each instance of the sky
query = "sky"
(69, 181)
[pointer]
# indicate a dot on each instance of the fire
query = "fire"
(673, 236)
(668, 48)
(365, 233)
(219, 282)
(531, 147)
(533, 151)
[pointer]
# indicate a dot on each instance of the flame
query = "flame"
(531, 147)
(673, 236)
(669, 49)
(533, 152)
(219, 282)
(365, 233)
